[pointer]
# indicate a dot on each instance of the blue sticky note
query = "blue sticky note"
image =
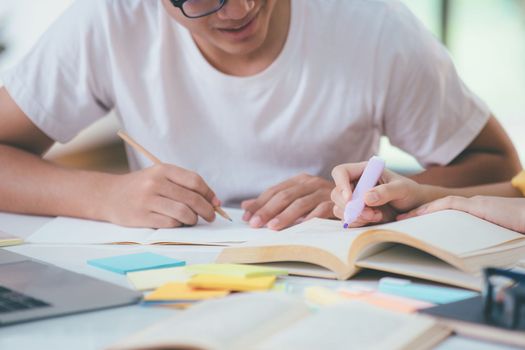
(431, 294)
(135, 262)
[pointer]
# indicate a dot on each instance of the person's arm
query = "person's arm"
(396, 195)
(506, 212)
(490, 158)
(160, 196)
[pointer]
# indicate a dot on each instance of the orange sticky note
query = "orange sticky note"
(181, 291)
(385, 301)
(232, 283)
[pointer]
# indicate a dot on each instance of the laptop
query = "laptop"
(32, 290)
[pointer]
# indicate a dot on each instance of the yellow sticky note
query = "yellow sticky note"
(181, 291)
(232, 283)
(322, 296)
(8, 240)
(239, 270)
(151, 279)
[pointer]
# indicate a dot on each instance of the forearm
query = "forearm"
(503, 189)
(30, 185)
(472, 169)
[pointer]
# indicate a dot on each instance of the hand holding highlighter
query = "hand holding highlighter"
(367, 181)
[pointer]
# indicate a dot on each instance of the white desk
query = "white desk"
(98, 329)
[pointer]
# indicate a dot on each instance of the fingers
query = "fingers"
(369, 216)
(192, 200)
(345, 174)
(385, 193)
(175, 210)
(245, 205)
(323, 210)
(337, 197)
(190, 180)
(301, 207)
(156, 220)
(338, 212)
(253, 206)
(285, 207)
(450, 202)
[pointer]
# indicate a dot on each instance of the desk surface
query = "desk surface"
(99, 329)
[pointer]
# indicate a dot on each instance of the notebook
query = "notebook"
(65, 230)
(466, 317)
(279, 321)
(448, 247)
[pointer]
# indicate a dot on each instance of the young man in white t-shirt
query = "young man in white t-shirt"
(250, 101)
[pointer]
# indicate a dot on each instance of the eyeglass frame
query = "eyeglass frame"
(513, 297)
(180, 5)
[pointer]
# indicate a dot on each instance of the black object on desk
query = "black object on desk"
(497, 315)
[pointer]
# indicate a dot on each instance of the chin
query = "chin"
(242, 48)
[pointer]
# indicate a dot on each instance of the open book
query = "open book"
(64, 230)
(449, 247)
(279, 321)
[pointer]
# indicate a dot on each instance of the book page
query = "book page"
(62, 230)
(236, 322)
(219, 232)
(65, 230)
(453, 231)
(327, 235)
(355, 325)
(409, 261)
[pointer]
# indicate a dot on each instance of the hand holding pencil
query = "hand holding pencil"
(164, 195)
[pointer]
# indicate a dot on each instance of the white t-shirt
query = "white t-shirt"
(350, 71)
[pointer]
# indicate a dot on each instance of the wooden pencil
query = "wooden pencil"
(156, 160)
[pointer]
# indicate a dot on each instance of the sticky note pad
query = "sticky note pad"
(232, 283)
(8, 240)
(182, 292)
(385, 301)
(431, 294)
(322, 296)
(151, 279)
(239, 270)
(135, 262)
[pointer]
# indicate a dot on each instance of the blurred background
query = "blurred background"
(486, 39)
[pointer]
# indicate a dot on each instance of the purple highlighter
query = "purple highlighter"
(367, 181)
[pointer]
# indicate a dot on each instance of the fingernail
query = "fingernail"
(372, 197)
(216, 202)
(247, 216)
(273, 223)
(256, 221)
(346, 195)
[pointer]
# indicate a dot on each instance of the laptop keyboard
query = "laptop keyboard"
(11, 301)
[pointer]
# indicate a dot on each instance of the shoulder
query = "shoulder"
(356, 11)
(385, 26)
(111, 14)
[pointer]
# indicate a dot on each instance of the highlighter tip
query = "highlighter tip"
(345, 225)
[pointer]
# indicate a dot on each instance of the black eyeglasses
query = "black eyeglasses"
(504, 296)
(198, 8)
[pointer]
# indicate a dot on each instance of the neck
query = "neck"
(258, 60)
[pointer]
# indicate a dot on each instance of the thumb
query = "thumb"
(385, 193)
(344, 175)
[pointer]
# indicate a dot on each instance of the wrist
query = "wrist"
(429, 193)
(94, 202)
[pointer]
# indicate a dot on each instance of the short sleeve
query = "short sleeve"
(428, 111)
(61, 84)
